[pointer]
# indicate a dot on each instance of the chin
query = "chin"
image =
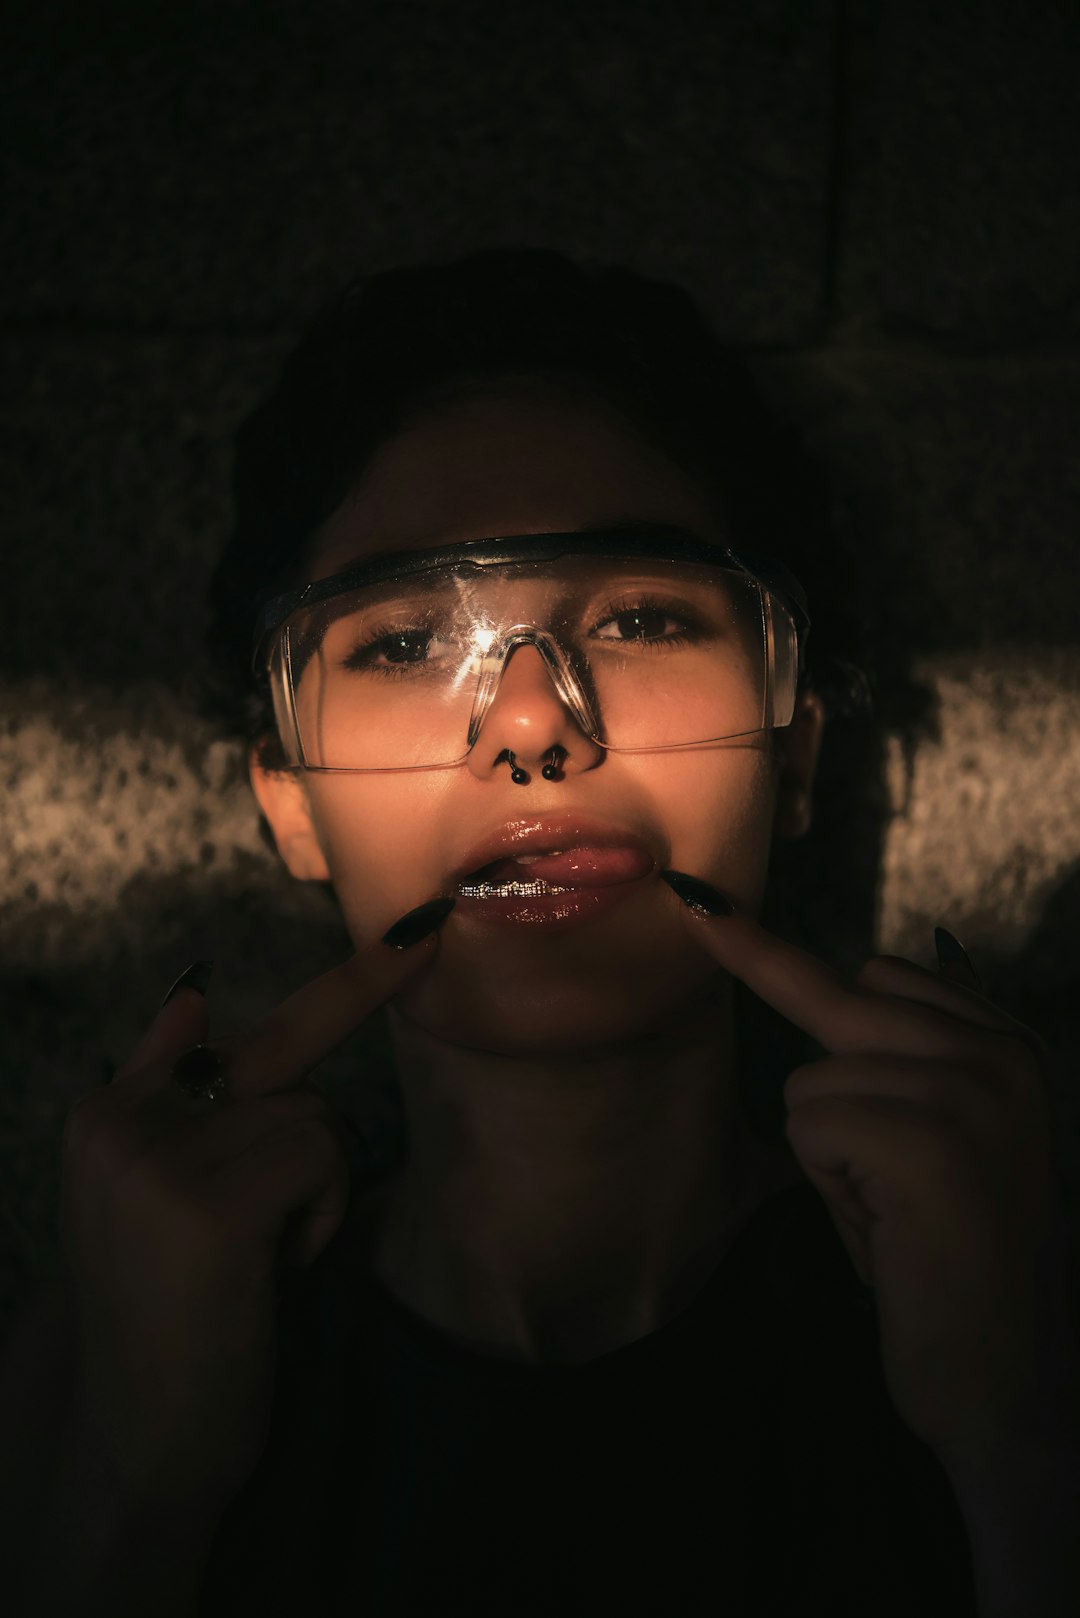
(564, 1021)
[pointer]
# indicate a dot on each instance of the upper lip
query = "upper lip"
(547, 834)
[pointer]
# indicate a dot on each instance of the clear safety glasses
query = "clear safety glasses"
(652, 637)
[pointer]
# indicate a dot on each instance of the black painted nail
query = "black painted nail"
(697, 894)
(416, 924)
(196, 977)
(950, 952)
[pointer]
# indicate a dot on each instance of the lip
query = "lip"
(550, 912)
(545, 834)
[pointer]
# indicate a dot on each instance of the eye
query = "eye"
(398, 651)
(644, 622)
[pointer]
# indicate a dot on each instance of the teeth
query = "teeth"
(508, 890)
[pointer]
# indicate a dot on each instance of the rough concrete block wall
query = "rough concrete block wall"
(879, 204)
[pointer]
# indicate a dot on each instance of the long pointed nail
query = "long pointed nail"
(416, 924)
(697, 894)
(951, 953)
(196, 977)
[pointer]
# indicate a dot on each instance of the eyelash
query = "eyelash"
(384, 632)
(648, 603)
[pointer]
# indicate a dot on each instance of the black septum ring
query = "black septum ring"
(549, 771)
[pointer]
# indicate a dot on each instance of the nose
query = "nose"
(528, 718)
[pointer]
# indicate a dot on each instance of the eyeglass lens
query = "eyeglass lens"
(666, 654)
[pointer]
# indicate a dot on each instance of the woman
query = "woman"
(601, 1339)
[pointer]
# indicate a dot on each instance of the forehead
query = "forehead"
(534, 459)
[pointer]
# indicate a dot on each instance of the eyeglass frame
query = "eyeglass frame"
(659, 542)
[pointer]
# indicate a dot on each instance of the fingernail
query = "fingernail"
(416, 924)
(196, 977)
(697, 894)
(950, 952)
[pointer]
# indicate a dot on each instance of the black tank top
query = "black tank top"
(744, 1459)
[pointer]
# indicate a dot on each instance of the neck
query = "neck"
(552, 1209)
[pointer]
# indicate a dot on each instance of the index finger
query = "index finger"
(842, 1016)
(279, 1050)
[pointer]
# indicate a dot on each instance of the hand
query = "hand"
(926, 1131)
(173, 1215)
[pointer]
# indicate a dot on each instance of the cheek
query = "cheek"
(718, 816)
(379, 839)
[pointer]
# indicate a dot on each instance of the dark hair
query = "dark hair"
(392, 344)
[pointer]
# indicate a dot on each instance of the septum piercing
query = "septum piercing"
(518, 775)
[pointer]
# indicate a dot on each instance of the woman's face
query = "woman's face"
(532, 459)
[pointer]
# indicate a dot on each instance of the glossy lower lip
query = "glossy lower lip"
(551, 912)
